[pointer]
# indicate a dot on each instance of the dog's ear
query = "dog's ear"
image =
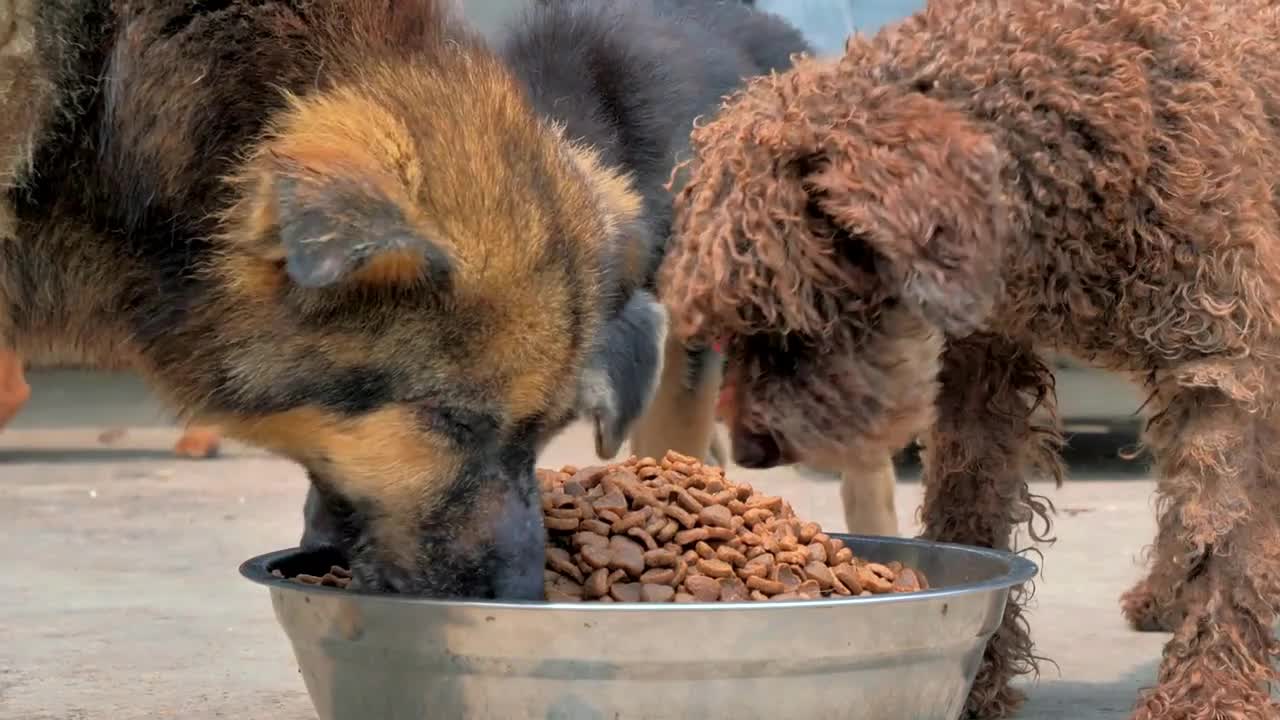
(918, 184)
(331, 200)
(339, 230)
(331, 229)
(623, 371)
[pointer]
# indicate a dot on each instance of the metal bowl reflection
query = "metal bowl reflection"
(891, 657)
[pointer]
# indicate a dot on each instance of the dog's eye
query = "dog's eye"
(461, 425)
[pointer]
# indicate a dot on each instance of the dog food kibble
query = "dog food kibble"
(337, 577)
(674, 530)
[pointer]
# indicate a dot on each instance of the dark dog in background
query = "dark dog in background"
(628, 78)
(892, 243)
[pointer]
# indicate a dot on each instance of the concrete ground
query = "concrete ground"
(119, 597)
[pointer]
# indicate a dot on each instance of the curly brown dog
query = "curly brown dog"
(888, 243)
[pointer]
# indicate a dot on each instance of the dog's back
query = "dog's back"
(629, 77)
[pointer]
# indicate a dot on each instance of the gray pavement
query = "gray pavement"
(120, 600)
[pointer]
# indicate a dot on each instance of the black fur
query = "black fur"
(629, 77)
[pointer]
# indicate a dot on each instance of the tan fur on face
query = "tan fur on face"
(384, 458)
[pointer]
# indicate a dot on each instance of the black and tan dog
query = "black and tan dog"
(345, 231)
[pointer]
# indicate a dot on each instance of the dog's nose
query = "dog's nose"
(756, 451)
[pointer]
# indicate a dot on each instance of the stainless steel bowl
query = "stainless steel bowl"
(893, 657)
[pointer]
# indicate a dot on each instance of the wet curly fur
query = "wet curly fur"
(888, 244)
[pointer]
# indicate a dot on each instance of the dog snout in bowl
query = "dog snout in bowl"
(478, 537)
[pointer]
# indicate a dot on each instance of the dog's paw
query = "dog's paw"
(198, 443)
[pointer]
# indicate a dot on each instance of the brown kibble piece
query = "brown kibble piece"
(599, 527)
(682, 516)
(650, 592)
(882, 570)
(560, 524)
(809, 589)
(597, 556)
(787, 576)
(703, 497)
(559, 560)
(817, 553)
(659, 576)
(872, 582)
(686, 501)
(668, 531)
(684, 597)
(848, 576)
(808, 531)
(688, 537)
(584, 538)
(821, 574)
(657, 521)
(791, 557)
(715, 568)
(625, 592)
(644, 537)
(765, 585)
(768, 502)
(842, 556)
(660, 558)
(716, 516)
(626, 554)
(722, 534)
(733, 590)
(703, 588)
(730, 555)
(906, 581)
(589, 477)
(632, 519)
(704, 550)
(682, 571)
(614, 502)
(597, 584)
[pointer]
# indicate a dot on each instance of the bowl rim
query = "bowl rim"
(1020, 570)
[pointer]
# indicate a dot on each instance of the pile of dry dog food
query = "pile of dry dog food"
(676, 530)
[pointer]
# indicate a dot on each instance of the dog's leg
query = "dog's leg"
(198, 442)
(977, 461)
(1216, 440)
(867, 491)
(682, 415)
